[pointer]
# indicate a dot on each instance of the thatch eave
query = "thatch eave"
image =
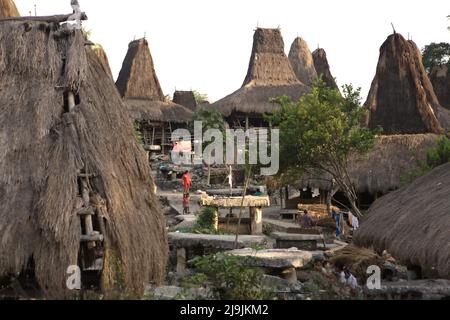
(157, 111)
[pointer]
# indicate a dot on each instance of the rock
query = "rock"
(177, 293)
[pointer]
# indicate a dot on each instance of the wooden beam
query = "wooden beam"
(92, 238)
(54, 18)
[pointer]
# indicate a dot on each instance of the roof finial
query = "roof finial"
(35, 10)
(393, 28)
(145, 35)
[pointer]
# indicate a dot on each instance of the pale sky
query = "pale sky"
(205, 45)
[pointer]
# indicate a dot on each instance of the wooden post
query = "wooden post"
(216, 219)
(247, 125)
(181, 261)
(163, 138)
(256, 221)
(70, 100)
(87, 219)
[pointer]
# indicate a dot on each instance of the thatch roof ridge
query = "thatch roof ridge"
(137, 78)
(44, 148)
(401, 98)
(8, 9)
(382, 169)
(413, 223)
(440, 79)
(269, 64)
(323, 67)
(158, 111)
(185, 98)
(302, 61)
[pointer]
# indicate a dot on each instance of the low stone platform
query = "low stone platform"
(285, 261)
(224, 242)
(307, 242)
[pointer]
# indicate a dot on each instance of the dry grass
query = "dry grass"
(42, 155)
(186, 99)
(8, 9)
(302, 62)
(269, 75)
(401, 99)
(101, 54)
(323, 68)
(137, 78)
(148, 110)
(440, 78)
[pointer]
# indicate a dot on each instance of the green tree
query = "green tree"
(436, 54)
(321, 132)
(211, 119)
(200, 97)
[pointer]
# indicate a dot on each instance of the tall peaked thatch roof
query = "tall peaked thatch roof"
(413, 224)
(302, 61)
(269, 75)
(45, 146)
(268, 62)
(186, 99)
(101, 54)
(137, 78)
(8, 9)
(323, 68)
(401, 99)
(139, 86)
(440, 78)
(382, 169)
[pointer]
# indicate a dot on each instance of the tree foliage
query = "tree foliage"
(200, 97)
(322, 132)
(436, 54)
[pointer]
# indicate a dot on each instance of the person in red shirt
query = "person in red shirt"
(187, 182)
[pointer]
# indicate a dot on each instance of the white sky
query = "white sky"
(205, 45)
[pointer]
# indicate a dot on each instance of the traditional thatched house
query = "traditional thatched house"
(101, 54)
(401, 99)
(413, 224)
(440, 78)
(139, 86)
(323, 68)
(302, 62)
(382, 170)
(186, 99)
(75, 187)
(8, 9)
(269, 75)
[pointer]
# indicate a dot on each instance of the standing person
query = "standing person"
(186, 191)
(307, 221)
(187, 182)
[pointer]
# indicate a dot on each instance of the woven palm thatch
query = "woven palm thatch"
(323, 68)
(269, 75)
(8, 9)
(401, 99)
(382, 169)
(139, 86)
(186, 99)
(302, 61)
(440, 78)
(45, 147)
(101, 54)
(413, 223)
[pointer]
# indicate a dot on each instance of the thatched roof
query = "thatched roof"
(323, 68)
(401, 99)
(8, 9)
(144, 109)
(44, 149)
(186, 99)
(440, 78)
(382, 169)
(101, 54)
(413, 223)
(302, 61)
(269, 75)
(137, 78)
(139, 86)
